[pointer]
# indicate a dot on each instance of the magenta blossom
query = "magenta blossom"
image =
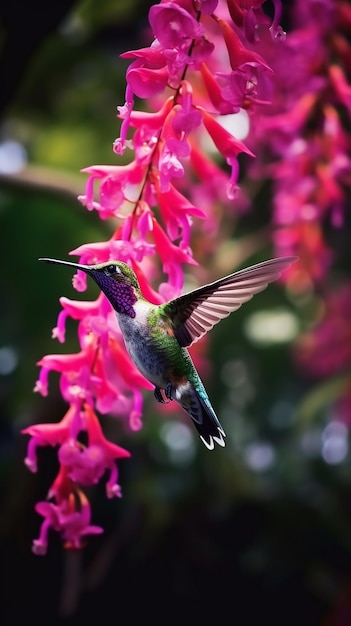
(177, 213)
(148, 74)
(119, 184)
(86, 464)
(228, 146)
(70, 516)
(179, 33)
(51, 434)
(249, 15)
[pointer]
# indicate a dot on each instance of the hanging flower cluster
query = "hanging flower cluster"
(302, 143)
(200, 66)
(304, 137)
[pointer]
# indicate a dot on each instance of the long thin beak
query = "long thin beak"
(78, 266)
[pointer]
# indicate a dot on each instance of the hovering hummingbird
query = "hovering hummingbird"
(157, 336)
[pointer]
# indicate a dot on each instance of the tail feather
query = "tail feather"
(204, 418)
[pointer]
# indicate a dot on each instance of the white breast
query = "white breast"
(132, 325)
(138, 342)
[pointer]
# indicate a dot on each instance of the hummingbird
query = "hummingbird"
(157, 336)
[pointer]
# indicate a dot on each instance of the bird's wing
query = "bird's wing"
(196, 312)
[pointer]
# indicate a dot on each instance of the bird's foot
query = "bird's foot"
(168, 391)
(167, 394)
(158, 395)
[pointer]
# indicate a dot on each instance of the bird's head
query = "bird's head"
(116, 279)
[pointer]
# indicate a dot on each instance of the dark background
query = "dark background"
(214, 537)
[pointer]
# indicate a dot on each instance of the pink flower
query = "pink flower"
(70, 516)
(148, 128)
(77, 310)
(173, 26)
(179, 33)
(74, 370)
(275, 29)
(86, 464)
(177, 213)
(51, 434)
(84, 375)
(119, 184)
(169, 167)
(79, 464)
(180, 121)
(246, 86)
(228, 146)
(249, 15)
(248, 82)
(214, 91)
(117, 249)
(172, 258)
(208, 172)
(152, 121)
(238, 54)
(148, 74)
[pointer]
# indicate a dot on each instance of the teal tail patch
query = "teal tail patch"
(204, 418)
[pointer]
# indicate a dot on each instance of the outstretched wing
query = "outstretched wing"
(196, 312)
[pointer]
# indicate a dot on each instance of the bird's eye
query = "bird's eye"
(111, 269)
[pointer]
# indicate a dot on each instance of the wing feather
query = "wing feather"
(196, 312)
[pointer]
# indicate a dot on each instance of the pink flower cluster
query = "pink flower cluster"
(69, 513)
(302, 143)
(200, 66)
(325, 350)
(304, 137)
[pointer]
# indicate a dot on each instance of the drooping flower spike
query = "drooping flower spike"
(199, 66)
